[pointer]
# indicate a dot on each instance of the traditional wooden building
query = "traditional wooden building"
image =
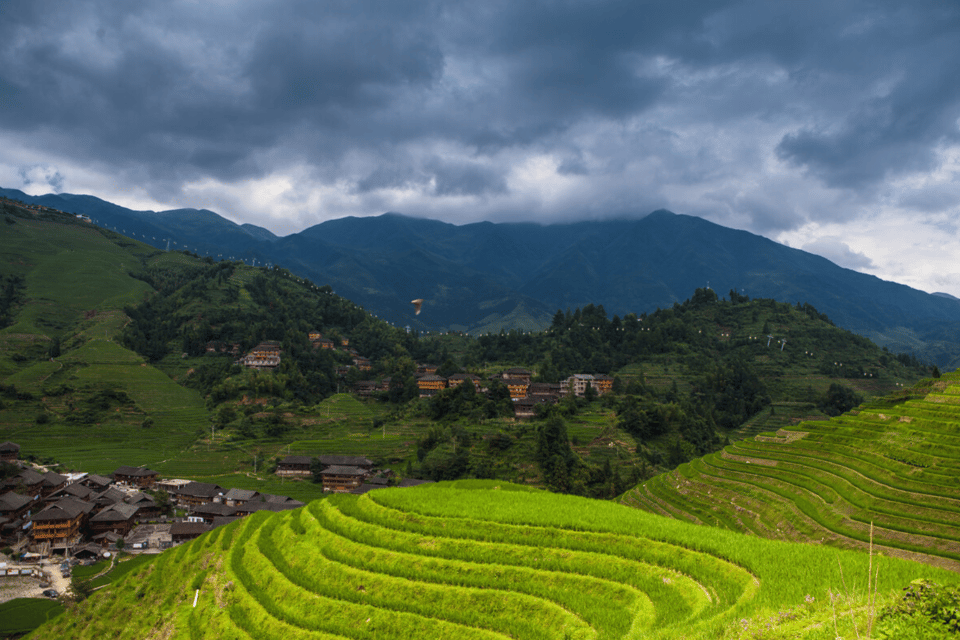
(14, 506)
(9, 452)
(75, 490)
(208, 512)
(341, 479)
(184, 531)
(324, 343)
(459, 378)
(118, 517)
(544, 390)
(517, 386)
(95, 482)
(51, 483)
(294, 467)
(349, 461)
(136, 476)
(239, 497)
(526, 407)
(197, 493)
(27, 482)
(264, 355)
(603, 384)
(145, 504)
(517, 373)
(430, 384)
(60, 523)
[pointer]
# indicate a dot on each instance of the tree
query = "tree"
(555, 457)
(839, 399)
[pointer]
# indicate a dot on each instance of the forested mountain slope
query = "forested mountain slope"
(484, 276)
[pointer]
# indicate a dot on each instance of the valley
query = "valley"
(725, 415)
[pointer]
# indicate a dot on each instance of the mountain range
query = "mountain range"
(485, 277)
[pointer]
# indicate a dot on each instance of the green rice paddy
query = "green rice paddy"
(480, 559)
(893, 464)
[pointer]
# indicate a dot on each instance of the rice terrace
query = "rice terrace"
(476, 559)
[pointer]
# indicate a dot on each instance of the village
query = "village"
(525, 395)
(51, 521)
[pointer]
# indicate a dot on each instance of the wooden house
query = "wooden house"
(265, 355)
(459, 378)
(340, 479)
(239, 497)
(431, 384)
(517, 373)
(136, 476)
(517, 386)
(118, 517)
(184, 531)
(9, 452)
(60, 523)
(196, 493)
(602, 384)
(208, 512)
(14, 506)
(145, 504)
(27, 482)
(294, 467)
(95, 482)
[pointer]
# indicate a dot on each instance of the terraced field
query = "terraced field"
(480, 560)
(895, 465)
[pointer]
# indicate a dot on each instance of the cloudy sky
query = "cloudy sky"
(829, 126)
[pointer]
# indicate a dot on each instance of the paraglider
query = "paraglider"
(416, 305)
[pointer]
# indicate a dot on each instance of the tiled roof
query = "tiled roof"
(350, 461)
(65, 508)
(117, 512)
(340, 470)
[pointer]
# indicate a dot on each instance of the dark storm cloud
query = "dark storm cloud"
(450, 99)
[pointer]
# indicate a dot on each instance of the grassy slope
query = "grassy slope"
(485, 560)
(77, 282)
(891, 463)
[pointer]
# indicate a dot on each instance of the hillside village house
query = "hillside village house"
(294, 467)
(118, 517)
(517, 373)
(239, 497)
(60, 523)
(14, 506)
(459, 378)
(351, 461)
(95, 482)
(196, 493)
(340, 479)
(9, 452)
(429, 384)
(517, 387)
(136, 476)
(264, 355)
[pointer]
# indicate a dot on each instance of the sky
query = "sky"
(832, 127)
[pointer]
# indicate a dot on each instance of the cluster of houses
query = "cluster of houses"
(84, 514)
(525, 394)
(266, 355)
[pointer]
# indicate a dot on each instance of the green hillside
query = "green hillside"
(893, 462)
(487, 560)
(132, 379)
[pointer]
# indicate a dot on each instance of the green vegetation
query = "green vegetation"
(894, 463)
(23, 615)
(482, 559)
